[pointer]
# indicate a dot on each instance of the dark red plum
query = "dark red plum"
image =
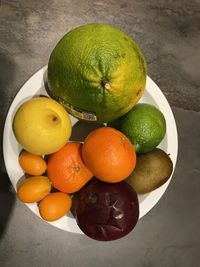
(106, 211)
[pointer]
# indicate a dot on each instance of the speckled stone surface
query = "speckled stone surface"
(168, 32)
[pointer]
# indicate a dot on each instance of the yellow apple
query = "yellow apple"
(42, 125)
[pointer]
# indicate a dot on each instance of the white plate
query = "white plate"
(35, 86)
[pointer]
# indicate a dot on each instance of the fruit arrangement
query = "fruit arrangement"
(97, 180)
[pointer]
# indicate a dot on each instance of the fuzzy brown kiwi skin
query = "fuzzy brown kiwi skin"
(152, 170)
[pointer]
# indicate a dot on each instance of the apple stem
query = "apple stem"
(54, 118)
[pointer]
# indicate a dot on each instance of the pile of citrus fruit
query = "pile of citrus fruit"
(96, 73)
(106, 154)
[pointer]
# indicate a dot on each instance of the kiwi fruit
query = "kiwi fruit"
(152, 170)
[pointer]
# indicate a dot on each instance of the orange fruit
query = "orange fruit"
(32, 164)
(54, 206)
(66, 168)
(34, 189)
(109, 154)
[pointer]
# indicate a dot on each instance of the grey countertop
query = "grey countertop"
(169, 34)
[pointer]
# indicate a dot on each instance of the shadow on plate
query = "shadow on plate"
(7, 199)
(81, 129)
(7, 196)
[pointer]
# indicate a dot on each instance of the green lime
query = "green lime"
(144, 125)
(97, 72)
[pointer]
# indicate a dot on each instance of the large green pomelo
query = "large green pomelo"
(97, 72)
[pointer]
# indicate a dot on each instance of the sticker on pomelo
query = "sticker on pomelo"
(77, 112)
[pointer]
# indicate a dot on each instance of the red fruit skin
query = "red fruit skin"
(106, 211)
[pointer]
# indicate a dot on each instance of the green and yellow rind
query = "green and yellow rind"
(97, 68)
